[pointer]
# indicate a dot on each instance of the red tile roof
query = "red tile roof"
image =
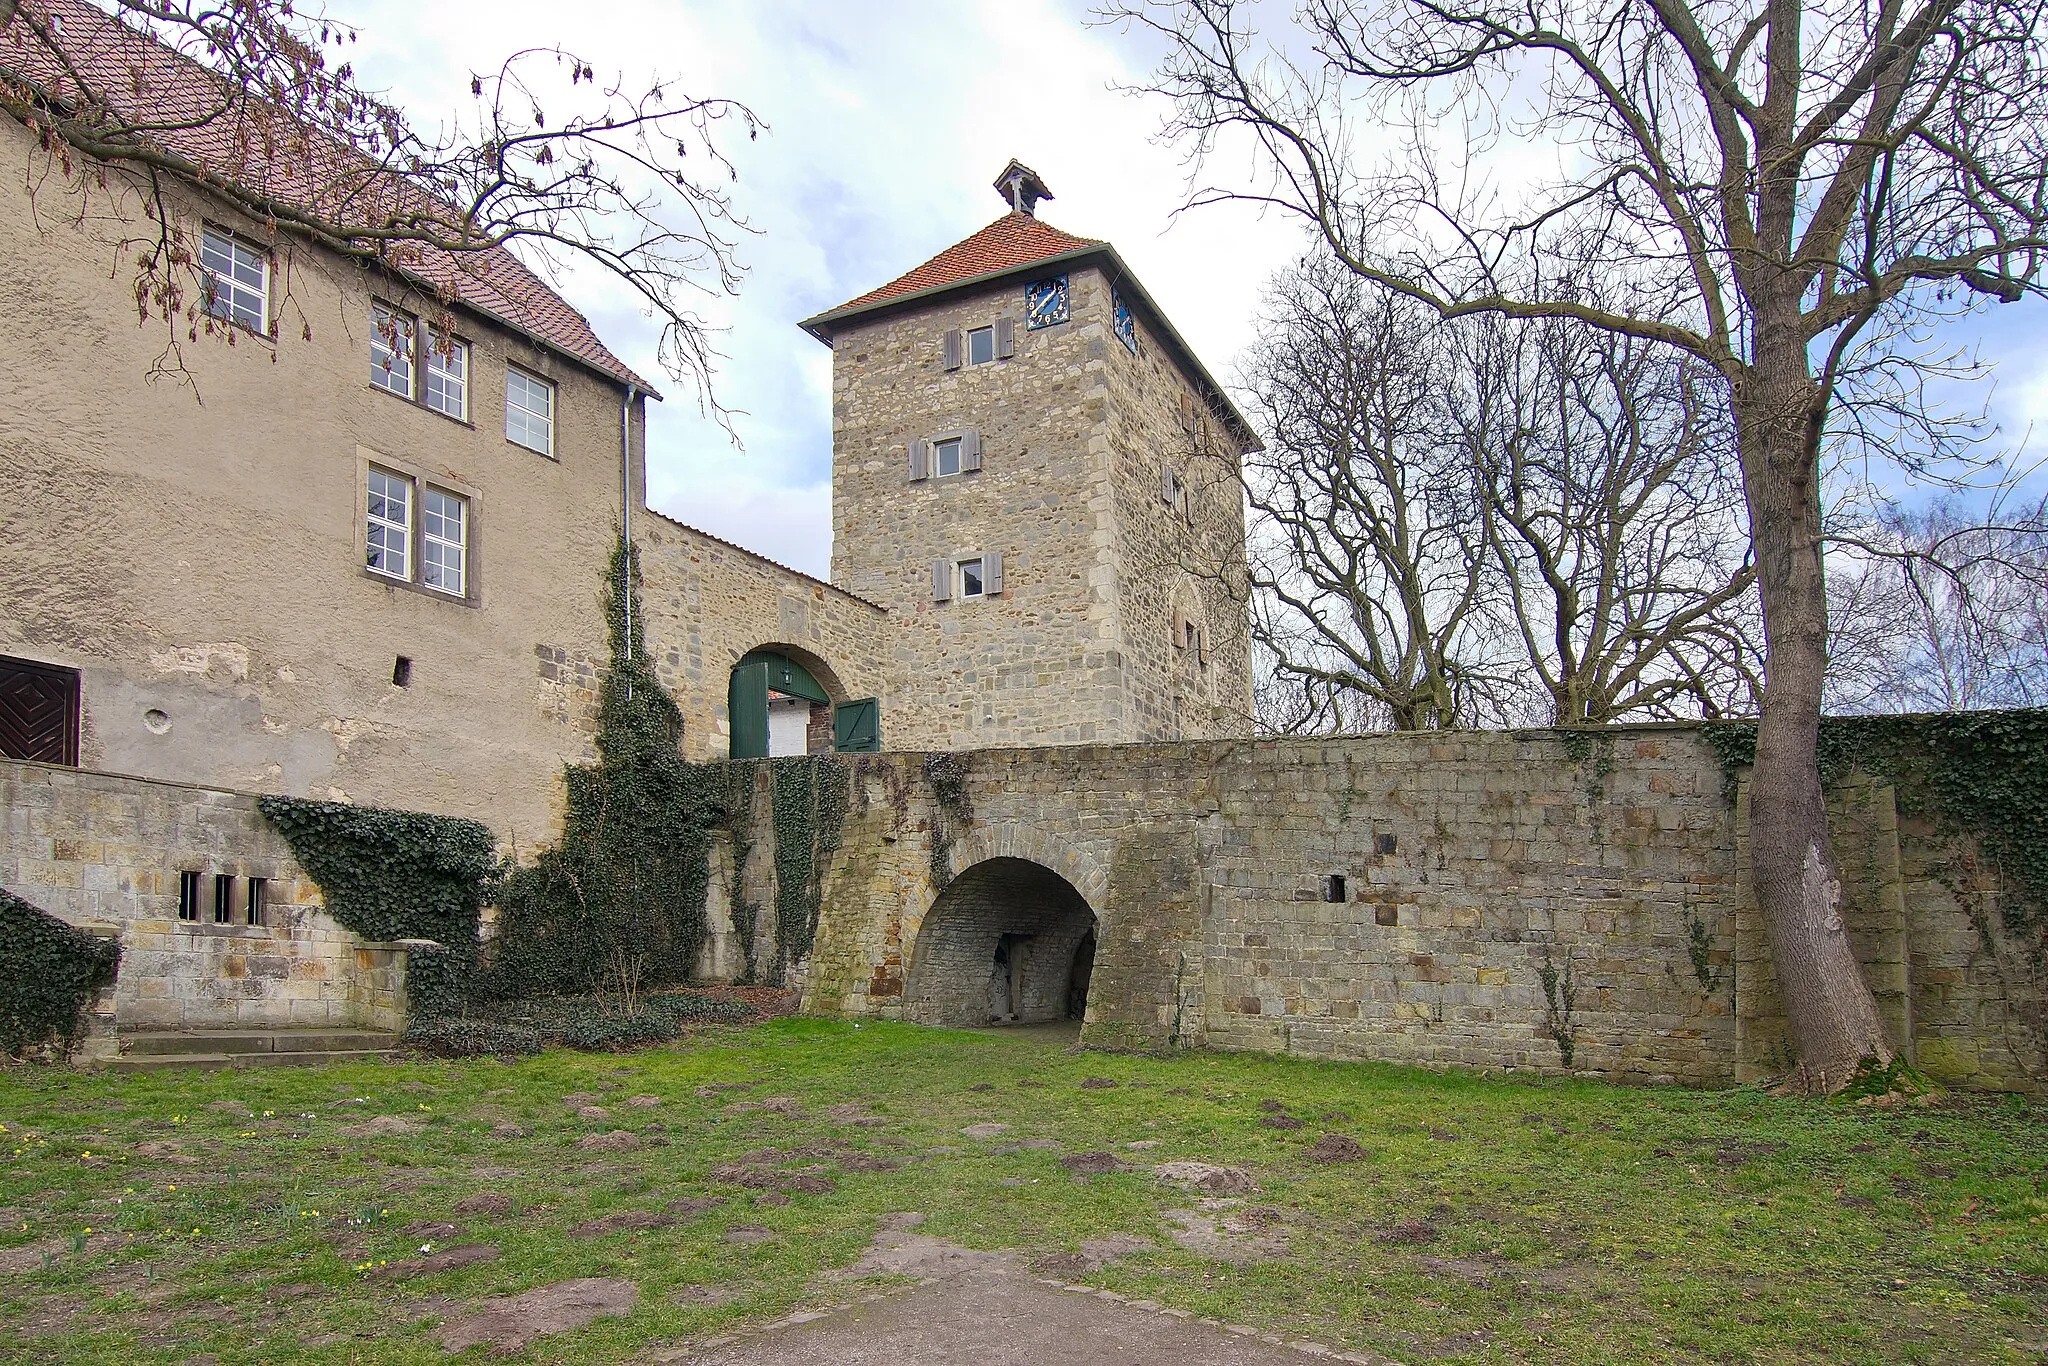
(1015, 239)
(190, 115)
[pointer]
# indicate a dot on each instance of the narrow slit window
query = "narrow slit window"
(388, 537)
(401, 672)
(252, 905)
(447, 375)
(444, 541)
(223, 898)
(391, 347)
(188, 895)
(1333, 887)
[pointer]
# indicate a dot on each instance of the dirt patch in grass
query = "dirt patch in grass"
(513, 1323)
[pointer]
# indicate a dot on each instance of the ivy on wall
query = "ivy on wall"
(618, 905)
(1981, 773)
(391, 874)
(947, 778)
(809, 797)
(49, 973)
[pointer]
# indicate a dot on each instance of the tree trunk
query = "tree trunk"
(1798, 886)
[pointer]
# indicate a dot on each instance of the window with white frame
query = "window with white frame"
(972, 583)
(391, 346)
(444, 540)
(416, 533)
(981, 345)
(388, 534)
(530, 411)
(447, 375)
(946, 456)
(237, 280)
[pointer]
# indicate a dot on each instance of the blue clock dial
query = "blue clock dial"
(1126, 325)
(1045, 302)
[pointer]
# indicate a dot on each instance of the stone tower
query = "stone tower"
(1037, 478)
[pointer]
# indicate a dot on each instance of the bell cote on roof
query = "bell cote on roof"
(1021, 188)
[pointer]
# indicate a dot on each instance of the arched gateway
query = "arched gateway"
(1007, 940)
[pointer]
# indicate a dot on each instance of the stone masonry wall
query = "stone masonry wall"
(1040, 662)
(708, 603)
(1474, 865)
(1184, 559)
(105, 852)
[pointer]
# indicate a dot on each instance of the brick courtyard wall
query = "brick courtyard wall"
(1477, 867)
(105, 852)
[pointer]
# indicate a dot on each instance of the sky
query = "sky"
(886, 124)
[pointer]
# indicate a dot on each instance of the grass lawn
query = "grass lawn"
(278, 1215)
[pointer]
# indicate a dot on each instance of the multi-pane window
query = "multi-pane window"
(447, 375)
(388, 535)
(444, 540)
(237, 280)
(530, 411)
(391, 341)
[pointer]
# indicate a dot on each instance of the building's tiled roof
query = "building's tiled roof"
(1015, 239)
(290, 165)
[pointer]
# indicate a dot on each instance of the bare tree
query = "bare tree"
(1367, 553)
(1772, 186)
(1487, 521)
(1953, 612)
(255, 104)
(1618, 531)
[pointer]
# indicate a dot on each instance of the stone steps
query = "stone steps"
(198, 1050)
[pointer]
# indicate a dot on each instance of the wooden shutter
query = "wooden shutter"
(992, 573)
(920, 458)
(857, 726)
(1180, 629)
(746, 710)
(955, 355)
(1202, 640)
(1168, 485)
(39, 712)
(1006, 338)
(970, 451)
(942, 580)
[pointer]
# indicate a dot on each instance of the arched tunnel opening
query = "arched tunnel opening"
(1008, 942)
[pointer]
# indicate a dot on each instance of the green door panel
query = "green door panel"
(857, 726)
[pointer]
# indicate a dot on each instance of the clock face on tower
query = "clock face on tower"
(1045, 302)
(1126, 325)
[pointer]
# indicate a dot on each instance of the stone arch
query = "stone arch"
(750, 736)
(1009, 940)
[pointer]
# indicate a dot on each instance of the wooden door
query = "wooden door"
(38, 712)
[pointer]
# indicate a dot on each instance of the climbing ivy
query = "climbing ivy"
(1982, 773)
(617, 906)
(49, 973)
(947, 778)
(739, 820)
(391, 874)
(809, 797)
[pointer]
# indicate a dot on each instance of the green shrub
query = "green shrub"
(451, 1037)
(49, 973)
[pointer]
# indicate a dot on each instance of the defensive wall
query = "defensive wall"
(108, 853)
(1497, 890)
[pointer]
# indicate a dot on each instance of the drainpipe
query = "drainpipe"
(626, 518)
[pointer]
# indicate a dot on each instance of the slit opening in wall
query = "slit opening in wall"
(401, 672)
(188, 896)
(1333, 887)
(223, 898)
(252, 903)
